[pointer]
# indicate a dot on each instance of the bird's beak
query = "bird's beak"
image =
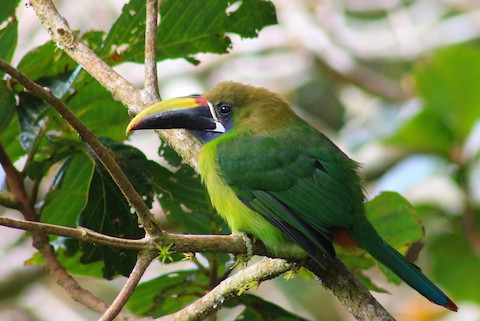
(185, 112)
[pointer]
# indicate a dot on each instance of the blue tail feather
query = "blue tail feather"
(368, 238)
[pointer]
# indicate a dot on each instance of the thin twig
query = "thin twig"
(151, 82)
(143, 261)
(182, 243)
(368, 79)
(146, 218)
(33, 150)
(80, 233)
(15, 182)
(235, 285)
(76, 292)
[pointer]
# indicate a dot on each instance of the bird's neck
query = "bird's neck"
(205, 136)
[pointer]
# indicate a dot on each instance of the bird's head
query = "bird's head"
(227, 106)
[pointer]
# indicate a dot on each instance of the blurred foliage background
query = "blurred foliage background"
(396, 84)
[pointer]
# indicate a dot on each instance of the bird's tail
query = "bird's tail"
(365, 234)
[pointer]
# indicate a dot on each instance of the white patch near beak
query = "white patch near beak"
(219, 128)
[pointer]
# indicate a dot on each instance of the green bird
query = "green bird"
(270, 174)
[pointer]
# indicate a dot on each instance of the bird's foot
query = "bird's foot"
(248, 242)
(243, 258)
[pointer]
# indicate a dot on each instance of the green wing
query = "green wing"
(298, 180)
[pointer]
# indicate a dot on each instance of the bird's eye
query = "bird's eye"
(224, 109)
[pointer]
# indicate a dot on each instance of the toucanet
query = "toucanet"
(272, 175)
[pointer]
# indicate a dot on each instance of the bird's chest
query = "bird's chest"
(237, 215)
(223, 198)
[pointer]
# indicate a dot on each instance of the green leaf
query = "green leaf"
(108, 212)
(35, 117)
(454, 260)
(251, 17)
(395, 220)
(167, 293)
(46, 61)
(94, 39)
(10, 140)
(7, 9)
(186, 28)
(356, 260)
(190, 27)
(134, 164)
(64, 203)
(31, 112)
(95, 106)
(449, 84)
(7, 106)
(68, 253)
(54, 151)
(425, 132)
(68, 261)
(169, 155)
(8, 41)
(369, 283)
(258, 309)
(127, 35)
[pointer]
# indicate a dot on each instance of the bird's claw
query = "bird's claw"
(243, 258)
(248, 242)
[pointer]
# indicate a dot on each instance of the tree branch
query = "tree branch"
(352, 294)
(151, 82)
(105, 156)
(143, 261)
(235, 285)
(80, 233)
